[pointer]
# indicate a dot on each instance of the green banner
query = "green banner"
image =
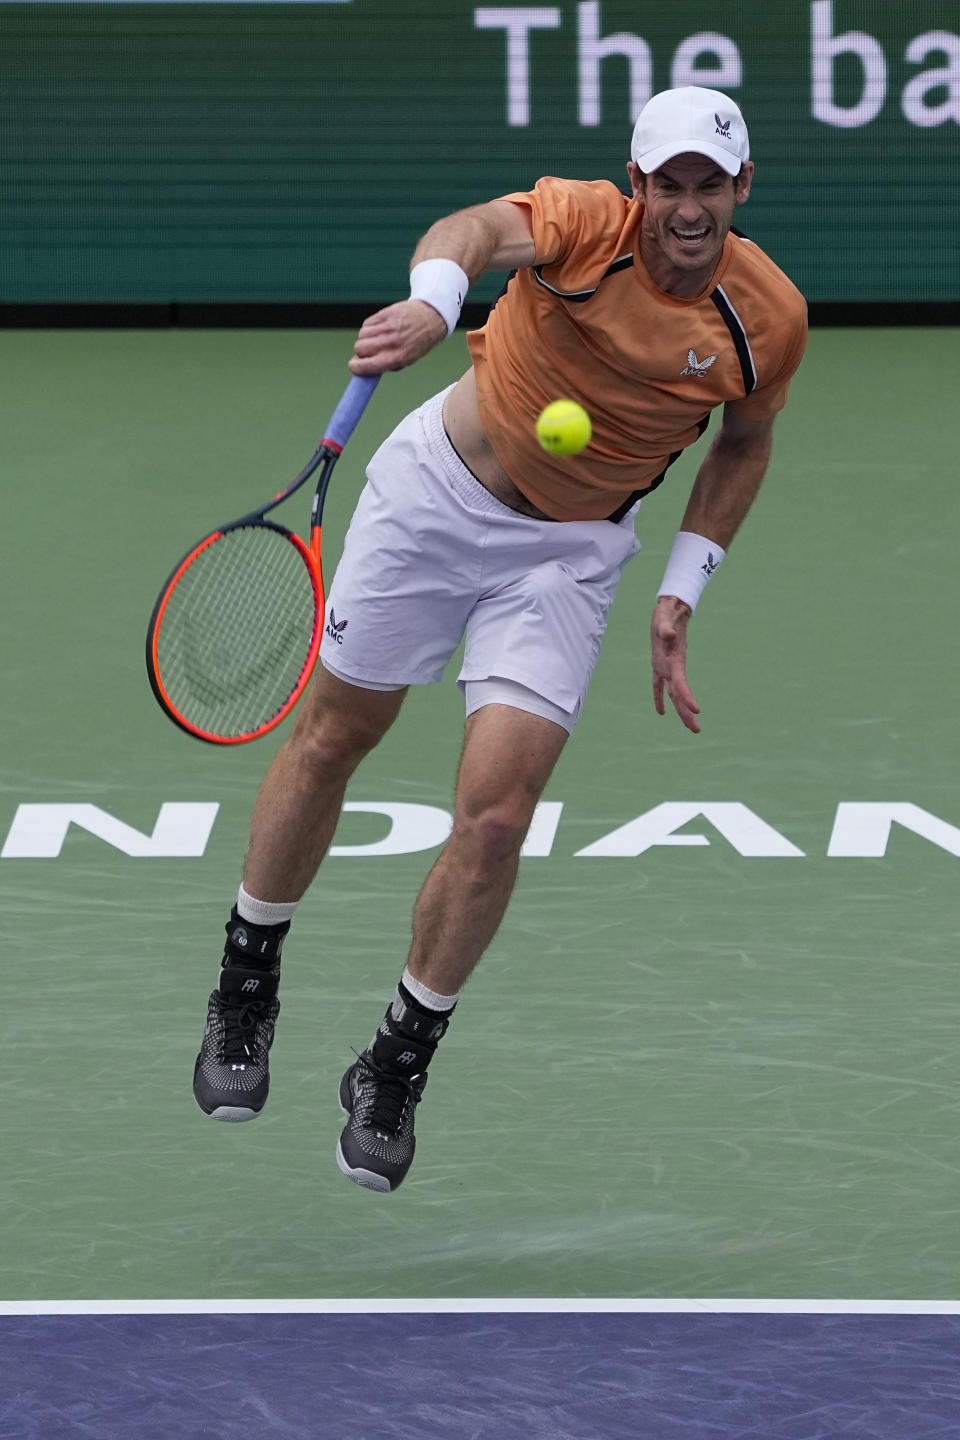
(253, 152)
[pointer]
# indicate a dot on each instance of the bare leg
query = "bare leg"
(297, 809)
(507, 758)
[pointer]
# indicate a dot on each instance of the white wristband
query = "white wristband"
(692, 561)
(442, 284)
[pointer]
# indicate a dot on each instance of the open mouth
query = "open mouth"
(690, 239)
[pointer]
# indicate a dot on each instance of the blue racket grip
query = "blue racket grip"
(352, 404)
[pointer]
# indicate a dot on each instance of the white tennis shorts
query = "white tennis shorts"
(432, 558)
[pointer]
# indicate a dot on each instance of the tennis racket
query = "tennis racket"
(236, 630)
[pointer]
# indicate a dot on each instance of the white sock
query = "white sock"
(427, 997)
(264, 912)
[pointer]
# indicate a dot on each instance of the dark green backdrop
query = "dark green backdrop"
(293, 152)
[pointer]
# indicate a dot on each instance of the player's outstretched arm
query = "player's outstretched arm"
(725, 488)
(495, 236)
(729, 478)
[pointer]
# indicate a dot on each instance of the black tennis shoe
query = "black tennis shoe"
(231, 1078)
(380, 1093)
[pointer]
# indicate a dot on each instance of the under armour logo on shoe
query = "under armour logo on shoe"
(406, 1057)
(249, 985)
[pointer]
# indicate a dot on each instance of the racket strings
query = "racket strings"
(237, 631)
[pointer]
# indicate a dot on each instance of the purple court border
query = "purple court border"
(480, 1370)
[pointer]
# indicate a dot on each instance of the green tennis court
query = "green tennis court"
(714, 1056)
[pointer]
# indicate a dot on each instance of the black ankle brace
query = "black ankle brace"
(413, 1020)
(397, 1052)
(255, 947)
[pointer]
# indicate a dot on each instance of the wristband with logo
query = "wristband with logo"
(693, 560)
(443, 285)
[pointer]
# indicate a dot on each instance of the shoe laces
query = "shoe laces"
(239, 1044)
(392, 1094)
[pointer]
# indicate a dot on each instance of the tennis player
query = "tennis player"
(651, 311)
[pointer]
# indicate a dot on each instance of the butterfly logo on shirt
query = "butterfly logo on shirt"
(695, 366)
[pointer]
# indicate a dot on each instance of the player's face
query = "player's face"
(688, 207)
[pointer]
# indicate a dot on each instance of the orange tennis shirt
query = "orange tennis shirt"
(586, 322)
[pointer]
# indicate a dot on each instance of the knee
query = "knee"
(493, 834)
(330, 742)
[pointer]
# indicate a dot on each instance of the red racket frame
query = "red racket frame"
(341, 426)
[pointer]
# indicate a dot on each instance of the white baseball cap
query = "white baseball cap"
(690, 118)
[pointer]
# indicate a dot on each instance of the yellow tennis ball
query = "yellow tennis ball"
(564, 428)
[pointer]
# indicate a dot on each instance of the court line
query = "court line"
(483, 1305)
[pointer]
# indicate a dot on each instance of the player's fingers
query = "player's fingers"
(380, 349)
(391, 343)
(689, 719)
(377, 362)
(367, 366)
(408, 319)
(685, 706)
(680, 692)
(366, 346)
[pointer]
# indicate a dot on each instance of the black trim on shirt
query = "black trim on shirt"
(632, 499)
(578, 297)
(739, 337)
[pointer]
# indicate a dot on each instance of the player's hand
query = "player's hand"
(668, 652)
(396, 336)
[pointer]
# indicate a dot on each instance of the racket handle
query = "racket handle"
(352, 404)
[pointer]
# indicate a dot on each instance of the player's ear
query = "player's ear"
(743, 181)
(636, 179)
